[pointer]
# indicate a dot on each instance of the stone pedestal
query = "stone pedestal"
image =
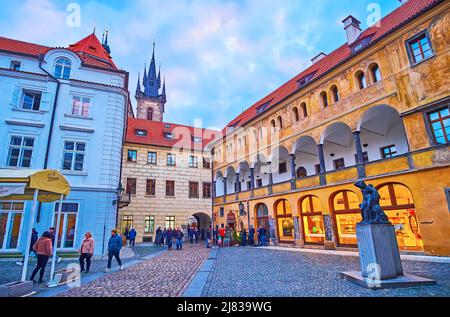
(381, 266)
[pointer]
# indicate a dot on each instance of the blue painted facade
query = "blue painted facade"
(86, 143)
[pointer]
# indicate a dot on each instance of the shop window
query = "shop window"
(11, 217)
(313, 228)
(398, 204)
(347, 215)
(285, 222)
(68, 223)
(439, 122)
(388, 151)
(419, 48)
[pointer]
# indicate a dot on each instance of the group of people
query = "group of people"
(222, 236)
(169, 237)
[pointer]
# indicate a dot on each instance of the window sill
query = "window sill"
(150, 196)
(71, 173)
(170, 197)
(68, 115)
(412, 65)
(29, 111)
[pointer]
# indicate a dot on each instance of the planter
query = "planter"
(16, 289)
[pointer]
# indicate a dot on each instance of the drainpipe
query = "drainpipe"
(52, 122)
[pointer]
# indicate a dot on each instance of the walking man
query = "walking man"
(263, 236)
(244, 237)
(251, 236)
(114, 247)
(207, 237)
(132, 235)
(179, 237)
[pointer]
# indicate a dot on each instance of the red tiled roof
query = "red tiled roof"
(155, 134)
(389, 23)
(88, 49)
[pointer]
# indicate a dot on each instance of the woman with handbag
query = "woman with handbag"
(86, 252)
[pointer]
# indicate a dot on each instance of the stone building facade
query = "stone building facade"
(377, 109)
(166, 171)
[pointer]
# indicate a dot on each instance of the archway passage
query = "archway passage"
(203, 223)
(397, 201)
(313, 228)
(262, 219)
(285, 222)
(347, 214)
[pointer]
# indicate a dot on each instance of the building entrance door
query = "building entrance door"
(11, 215)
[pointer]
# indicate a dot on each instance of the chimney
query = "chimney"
(402, 2)
(318, 57)
(352, 27)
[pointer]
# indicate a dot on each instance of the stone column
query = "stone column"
(238, 186)
(225, 190)
(323, 169)
(252, 178)
(359, 155)
(270, 179)
(214, 189)
(293, 171)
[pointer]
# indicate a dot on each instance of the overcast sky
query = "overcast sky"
(218, 56)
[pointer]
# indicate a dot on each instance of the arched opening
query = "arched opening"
(375, 72)
(398, 203)
(273, 125)
(306, 156)
(324, 99)
(262, 170)
(244, 176)
(339, 148)
(262, 219)
(231, 180)
(304, 110)
(311, 211)
(361, 80)
(295, 114)
(347, 214)
(335, 93)
(202, 224)
(285, 222)
(150, 114)
(383, 134)
(63, 67)
(220, 184)
(280, 122)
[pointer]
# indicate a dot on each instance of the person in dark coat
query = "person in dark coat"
(164, 237)
(179, 239)
(158, 237)
(197, 235)
(52, 231)
(34, 238)
(169, 238)
(243, 237)
(207, 237)
(216, 236)
(191, 235)
(251, 236)
(259, 236)
(44, 249)
(114, 247)
(132, 237)
(263, 236)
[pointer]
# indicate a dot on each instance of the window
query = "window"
(140, 132)
(127, 223)
(301, 172)
(365, 156)
(207, 190)
(171, 160)
(304, 110)
(81, 106)
(132, 156)
(296, 114)
(73, 157)
(68, 221)
(131, 186)
(15, 65)
(259, 183)
(335, 93)
(222, 212)
(388, 151)
(313, 228)
(11, 215)
(193, 162)
(419, 48)
(339, 164)
(150, 188)
(170, 188)
(347, 215)
(193, 190)
(62, 68)
(440, 125)
(149, 224)
(317, 168)
(31, 100)
(170, 222)
(263, 107)
(20, 152)
(206, 163)
(280, 122)
(152, 158)
(376, 73)
(249, 185)
(168, 136)
(361, 80)
(282, 169)
(150, 114)
(324, 99)
(196, 139)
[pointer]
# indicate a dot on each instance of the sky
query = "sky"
(219, 57)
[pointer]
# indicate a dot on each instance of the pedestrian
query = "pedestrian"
(179, 237)
(207, 237)
(191, 235)
(34, 238)
(126, 234)
(86, 252)
(197, 234)
(132, 236)
(164, 237)
(114, 247)
(259, 236)
(263, 236)
(158, 237)
(244, 237)
(44, 249)
(251, 236)
(52, 231)
(222, 236)
(216, 235)
(169, 239)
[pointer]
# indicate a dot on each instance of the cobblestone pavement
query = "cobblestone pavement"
(248, 272)
(10, 271)
(166, 275)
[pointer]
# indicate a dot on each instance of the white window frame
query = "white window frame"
(22, 149)
(80, 114)
(63, 67)
(34, 92)
(63, 224)
(3, 248)
(74, 152)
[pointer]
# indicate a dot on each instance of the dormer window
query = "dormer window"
(196, 139)
(305, 80)
(168, 136)
(262, 108)
(15, 65)
(140, 132)
(63, 67)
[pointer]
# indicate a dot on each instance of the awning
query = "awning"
(20, 185)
